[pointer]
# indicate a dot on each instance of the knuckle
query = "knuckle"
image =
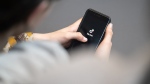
(110, 32)
(110, 43)
(67, 35)
(80, 36)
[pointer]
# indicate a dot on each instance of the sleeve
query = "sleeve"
(26, 61)
(14, 39)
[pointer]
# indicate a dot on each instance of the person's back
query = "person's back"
(26, 61)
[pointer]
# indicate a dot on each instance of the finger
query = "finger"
(77, 36)
(107, 43)
(103, 51)
(109, 33)
(74, 26)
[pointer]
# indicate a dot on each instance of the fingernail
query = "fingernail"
(85, 39)
(111, 26)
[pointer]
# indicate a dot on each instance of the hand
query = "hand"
(63, 36)
(103, 51)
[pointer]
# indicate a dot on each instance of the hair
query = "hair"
(13, 12)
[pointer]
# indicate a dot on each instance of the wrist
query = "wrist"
(37, 36)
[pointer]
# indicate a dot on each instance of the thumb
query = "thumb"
(74, 26)
(77, 36)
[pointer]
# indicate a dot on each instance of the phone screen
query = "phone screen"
(93, 28)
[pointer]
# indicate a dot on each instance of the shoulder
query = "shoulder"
(27, 60)
(41, 48)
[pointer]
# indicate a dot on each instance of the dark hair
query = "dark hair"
(13, 12)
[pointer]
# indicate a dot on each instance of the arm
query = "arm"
(65, 35)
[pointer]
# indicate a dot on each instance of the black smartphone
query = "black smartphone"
(92, 26)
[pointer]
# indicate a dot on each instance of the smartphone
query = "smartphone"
(92, 26)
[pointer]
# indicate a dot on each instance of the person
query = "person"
(26, 61)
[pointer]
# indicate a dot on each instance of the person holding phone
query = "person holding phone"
(27, 60)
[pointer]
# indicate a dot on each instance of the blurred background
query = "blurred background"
(130, 19)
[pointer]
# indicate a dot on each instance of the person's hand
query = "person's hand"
(103, 51)
(63, 36)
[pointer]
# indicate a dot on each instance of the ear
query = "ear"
(37, 14)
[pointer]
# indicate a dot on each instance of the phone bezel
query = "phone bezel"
(97, 14)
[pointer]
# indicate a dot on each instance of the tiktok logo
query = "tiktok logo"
(90, 33)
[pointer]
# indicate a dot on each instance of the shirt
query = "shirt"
(27, 60)
(14, 39)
